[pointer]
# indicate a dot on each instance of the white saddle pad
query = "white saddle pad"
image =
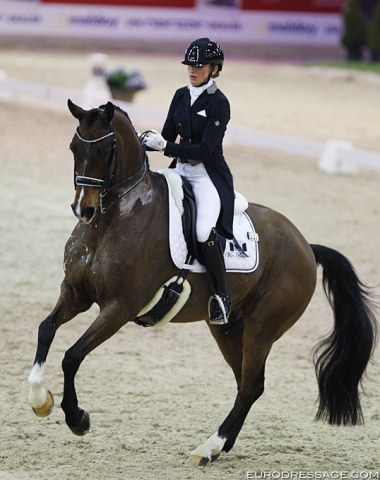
(242, 260)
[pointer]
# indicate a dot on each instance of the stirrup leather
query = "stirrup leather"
(219, 320)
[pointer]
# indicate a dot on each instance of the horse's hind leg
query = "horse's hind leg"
(231, 343)
(268, 320)
(247, 359)
(68, 306)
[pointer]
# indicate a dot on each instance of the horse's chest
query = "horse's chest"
(78, 256)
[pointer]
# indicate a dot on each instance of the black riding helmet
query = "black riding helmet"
(204, 52)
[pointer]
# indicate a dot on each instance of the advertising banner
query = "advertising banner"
(129, 3)
(320, 6)
(173, 24)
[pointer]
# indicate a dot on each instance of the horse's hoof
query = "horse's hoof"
(200, 461)
(83, 426)
(47, 408)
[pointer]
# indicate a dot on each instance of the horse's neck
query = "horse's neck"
(151, 194)
(130, 154)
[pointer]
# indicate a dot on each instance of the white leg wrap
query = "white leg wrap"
(213, 446)
(37, 392)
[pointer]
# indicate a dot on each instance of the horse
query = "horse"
(118, 255)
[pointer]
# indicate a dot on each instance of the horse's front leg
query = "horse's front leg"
(68, 306)
(108, 322)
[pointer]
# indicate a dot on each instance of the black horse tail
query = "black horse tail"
(341, 358)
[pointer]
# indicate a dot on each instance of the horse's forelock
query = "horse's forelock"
(92, 116)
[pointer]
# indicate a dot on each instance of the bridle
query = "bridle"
(90, 181)
(104, 184)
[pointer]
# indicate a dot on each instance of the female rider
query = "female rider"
(199, 114)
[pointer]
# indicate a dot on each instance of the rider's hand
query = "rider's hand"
(154, 140)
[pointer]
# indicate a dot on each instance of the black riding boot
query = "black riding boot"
(213, 259)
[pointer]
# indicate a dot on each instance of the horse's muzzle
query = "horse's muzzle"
(85, 214)
(85, 203)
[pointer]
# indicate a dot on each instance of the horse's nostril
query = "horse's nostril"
(88, 213)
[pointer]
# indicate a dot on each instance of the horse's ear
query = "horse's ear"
(109, 112)
(76, 111)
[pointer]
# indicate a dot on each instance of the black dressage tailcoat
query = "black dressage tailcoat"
(201, 129)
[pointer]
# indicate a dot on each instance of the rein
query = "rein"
(130, 182)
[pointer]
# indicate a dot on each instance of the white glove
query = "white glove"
(154, 140)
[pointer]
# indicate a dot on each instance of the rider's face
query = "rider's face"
(199, 75)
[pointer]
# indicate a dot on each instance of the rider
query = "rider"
(199, 114)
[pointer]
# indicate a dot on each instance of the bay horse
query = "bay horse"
(118, 256)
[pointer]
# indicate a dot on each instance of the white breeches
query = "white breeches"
(206, 197)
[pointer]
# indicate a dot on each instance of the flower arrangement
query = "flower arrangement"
(124, 85)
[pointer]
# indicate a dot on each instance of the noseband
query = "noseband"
(104, 184)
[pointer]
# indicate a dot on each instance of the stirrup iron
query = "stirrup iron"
(221, 321)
